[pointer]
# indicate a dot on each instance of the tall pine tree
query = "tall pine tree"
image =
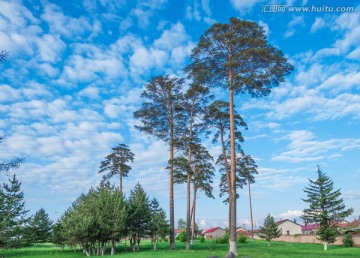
(326, 207)
(237, 57)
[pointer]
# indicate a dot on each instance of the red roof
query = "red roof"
(309, 227)
(281, 221)
(210, 230)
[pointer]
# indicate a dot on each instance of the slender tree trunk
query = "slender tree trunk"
(188, 219)
(121, 178)
(232, 200)
(171, 182)
(251, 215)
(325, 246)
(112, 245)
(226, 172)
(193, 213)
(102, 248)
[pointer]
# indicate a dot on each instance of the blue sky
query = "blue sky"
(76, 70)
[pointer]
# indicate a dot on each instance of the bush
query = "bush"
(223, 240)
(181, 237)
(202, 239)
(242, 239)
(347, 241)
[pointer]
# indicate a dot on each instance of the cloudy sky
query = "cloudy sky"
(76, 70)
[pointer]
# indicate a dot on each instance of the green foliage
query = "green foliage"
(347, 240)
(202, 239)
(40, 227)
(325, 206)
(181, 237)
(242, 239)
(13, 215)
(115, 163)
(269, 230)
(223, 240)
(158, 227)
(181, 223)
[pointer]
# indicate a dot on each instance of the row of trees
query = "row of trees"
(103, 215)
(237, 58)
(17, 229)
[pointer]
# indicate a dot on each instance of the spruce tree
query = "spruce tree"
(40, 227)
(326, 207)
(270, 229)
(13, 215)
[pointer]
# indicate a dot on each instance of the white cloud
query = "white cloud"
(304, 147)
(296, 21)
(318, 24)
(63, 25)
(290, 214)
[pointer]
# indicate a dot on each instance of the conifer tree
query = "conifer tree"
(13, 215)
(116, 163)
(158, 116)
(40, 227)
(139, 216)
(237, 57)
(270, 229)
(326, 207)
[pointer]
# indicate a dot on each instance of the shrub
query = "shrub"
(202, 239)
(223, 240)
(347, 240)
(242, 239)
(182, 237)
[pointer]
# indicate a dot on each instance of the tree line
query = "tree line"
(103, 215)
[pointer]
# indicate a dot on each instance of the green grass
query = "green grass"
(252, 249)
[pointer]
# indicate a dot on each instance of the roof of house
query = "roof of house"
(309, 227)
(178, 230)
(284, 220)
(211, 230)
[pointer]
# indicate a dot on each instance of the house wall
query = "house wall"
(215, 234)
(293, 228)
(311, 239)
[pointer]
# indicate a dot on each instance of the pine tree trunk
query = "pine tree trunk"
(171, 182)
(121, 178)
(325, 246)
(232, 201)
(193, 213)
(251, 215)
(188, 219)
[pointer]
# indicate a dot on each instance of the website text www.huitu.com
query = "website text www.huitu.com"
(276, 8)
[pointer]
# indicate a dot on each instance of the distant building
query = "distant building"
(309, 229)
(289, 227)
(213, 233)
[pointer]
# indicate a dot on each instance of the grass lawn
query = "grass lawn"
(252, 249)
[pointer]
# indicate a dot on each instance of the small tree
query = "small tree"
(40, 227)
(158, 225)
(325, 207)
(270, 229)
